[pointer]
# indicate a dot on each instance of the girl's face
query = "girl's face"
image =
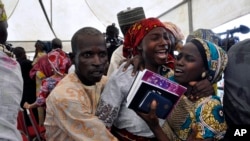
(188, 65)
(154, 47)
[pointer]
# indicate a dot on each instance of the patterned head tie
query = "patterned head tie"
(214, 58)
(136, 33)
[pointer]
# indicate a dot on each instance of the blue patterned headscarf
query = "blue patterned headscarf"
(214, 58)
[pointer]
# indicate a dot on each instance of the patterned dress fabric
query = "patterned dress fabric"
(11, 90)
(207, 112)
(47, 86)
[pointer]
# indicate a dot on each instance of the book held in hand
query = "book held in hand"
(149, 86)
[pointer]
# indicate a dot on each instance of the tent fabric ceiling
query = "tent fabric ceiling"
(67, 16)
(27, 22)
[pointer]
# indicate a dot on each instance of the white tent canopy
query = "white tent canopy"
(27, 22)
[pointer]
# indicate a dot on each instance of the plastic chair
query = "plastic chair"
(35, 130)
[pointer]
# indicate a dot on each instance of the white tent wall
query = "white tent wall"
(179, 16)
(206, 13)
(28, 24)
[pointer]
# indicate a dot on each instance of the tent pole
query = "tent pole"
(190, 16)
(46, 16)
(171, 9)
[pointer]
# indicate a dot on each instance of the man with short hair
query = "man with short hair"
(71, 106)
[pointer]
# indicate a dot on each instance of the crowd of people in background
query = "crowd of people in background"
(81, 95)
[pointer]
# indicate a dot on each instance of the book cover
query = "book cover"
(163, 104)
(148, 86)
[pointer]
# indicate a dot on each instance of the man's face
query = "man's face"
(91, 58)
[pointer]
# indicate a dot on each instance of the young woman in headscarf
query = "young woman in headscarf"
(198, 59)
(59, 62)
(151, 40)
(203, 86)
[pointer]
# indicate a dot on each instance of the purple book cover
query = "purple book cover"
(163, 83)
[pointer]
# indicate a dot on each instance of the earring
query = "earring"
(203, 75)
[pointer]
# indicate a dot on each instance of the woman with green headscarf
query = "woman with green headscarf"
(198, 59)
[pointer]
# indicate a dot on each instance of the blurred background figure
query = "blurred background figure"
(126, 18)
(112, 39)
(236, 88)
(41, 70)
(40, 51)
(29, 86)
(59, 62)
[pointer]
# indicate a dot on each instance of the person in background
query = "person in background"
(29, 86)
(178, 36)
(72, 67)
(40, 51)
(198, 59)
(71, 105)
(236, 88)
(41, 70)
(112, 39)
(59, 62)
(126, 18)
(11, 86)
(206, 34)
(43, 65)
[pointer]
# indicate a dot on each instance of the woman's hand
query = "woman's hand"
(192, 136)
(26, 105)
(200, 89)
(151, 119)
